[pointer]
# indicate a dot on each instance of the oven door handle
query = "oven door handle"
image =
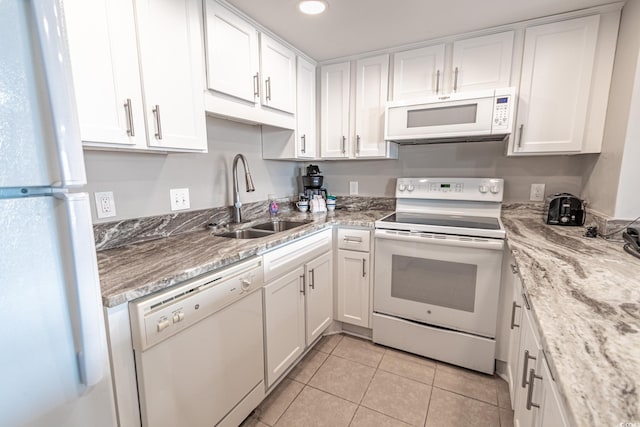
(461, 242)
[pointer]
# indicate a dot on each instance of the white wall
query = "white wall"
(603, 178)
(141, 182)
(479, 159)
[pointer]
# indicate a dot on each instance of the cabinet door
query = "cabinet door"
(515, 326)
(319, 283)
(528, 358)
(418, 73)
(278, 66)
(372, 82)
(284, 322)
(334, 114)
(306, 143)
(354, 287)
(555, 84)
(106, 77)
(482, 62)
(232, 53)
(551, 408)
(169, 34)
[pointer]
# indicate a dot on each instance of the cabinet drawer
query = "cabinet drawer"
(293, 255)
(355, 240)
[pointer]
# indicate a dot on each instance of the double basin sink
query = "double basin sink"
(262, 230)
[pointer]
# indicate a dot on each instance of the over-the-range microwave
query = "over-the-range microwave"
(460, 117)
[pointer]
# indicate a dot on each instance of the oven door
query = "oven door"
(442, 280)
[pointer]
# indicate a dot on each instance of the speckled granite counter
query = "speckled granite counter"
(136, 270)
(585, 297)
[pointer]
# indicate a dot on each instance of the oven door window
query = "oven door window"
(440, 283)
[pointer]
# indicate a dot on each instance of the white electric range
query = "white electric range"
(438, 260)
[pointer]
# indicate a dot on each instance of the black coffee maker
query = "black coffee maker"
(312, 183)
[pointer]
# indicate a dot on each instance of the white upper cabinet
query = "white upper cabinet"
(250, 76)
(555, 85)
(372, 80)
(144, 96)
(334, 104)
(232, 54)
(418, 73)
(170, 39)
(278, 66)
(482, 62)
(105, 73)
(477, 63)
(306, 146)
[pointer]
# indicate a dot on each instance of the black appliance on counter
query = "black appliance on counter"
(564, 209)
(312, 183)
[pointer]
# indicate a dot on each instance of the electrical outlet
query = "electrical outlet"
(105, 204)
(179, 199)
(537, 193)
(353, 188)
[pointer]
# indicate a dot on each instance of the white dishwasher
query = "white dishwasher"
(199, 349)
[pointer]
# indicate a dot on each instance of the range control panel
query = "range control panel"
(471, 189)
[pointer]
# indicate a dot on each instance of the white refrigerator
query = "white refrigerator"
(54, 363)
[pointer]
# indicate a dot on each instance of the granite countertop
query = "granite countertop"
(585, 297)
(136, 270)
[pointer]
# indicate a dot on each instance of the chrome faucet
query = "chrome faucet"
(249, 184)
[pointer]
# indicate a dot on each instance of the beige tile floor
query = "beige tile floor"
(346, 381)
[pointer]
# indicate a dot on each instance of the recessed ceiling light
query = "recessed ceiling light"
(312, 7)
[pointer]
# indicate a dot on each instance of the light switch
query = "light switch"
(353, 188)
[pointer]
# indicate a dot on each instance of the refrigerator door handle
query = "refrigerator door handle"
(86, 312)
(52, 36)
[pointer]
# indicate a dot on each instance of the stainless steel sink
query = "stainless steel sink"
(246, 234)
(277, 226)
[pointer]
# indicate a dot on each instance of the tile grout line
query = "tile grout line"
(290, 403)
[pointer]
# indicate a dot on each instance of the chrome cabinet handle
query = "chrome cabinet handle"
(514, 268)
(302, 287)
(267, 84)
(437, 82)
(532, 378)
(520, 136)
(156, 111)
(357, 144)
(351, 239)
(127, 109)
(364, 268)
(455, 80)
(513, 315)
(526, 301)
(256, 85)
(312, 282)
(304, 143)
(344, 144)
(526, 367)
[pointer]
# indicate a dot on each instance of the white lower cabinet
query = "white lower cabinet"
(535, 398)
(353, 277)
(284, 322)
(354, 288)
(319, 293)
(298, 300)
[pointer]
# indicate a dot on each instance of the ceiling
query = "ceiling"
(350, 27)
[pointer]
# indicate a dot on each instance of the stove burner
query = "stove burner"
(459, 221)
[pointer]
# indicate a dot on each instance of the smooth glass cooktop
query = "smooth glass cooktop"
(462, 221)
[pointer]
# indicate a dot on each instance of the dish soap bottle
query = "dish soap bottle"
(273, 205)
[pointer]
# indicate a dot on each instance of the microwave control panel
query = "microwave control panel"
(503, 110)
